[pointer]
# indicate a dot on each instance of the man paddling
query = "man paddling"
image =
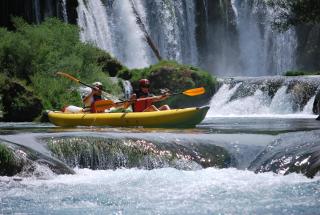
(143, 99)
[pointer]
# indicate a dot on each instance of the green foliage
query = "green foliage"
(295, 12)
(35, 53)
(301, 72)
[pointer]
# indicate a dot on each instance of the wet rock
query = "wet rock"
(26, 9)
(21, 161)
(107, 153)
(316, 104)
(298, 152)
(301, 92)
(308, 49)
(177, 78)
(109, 64)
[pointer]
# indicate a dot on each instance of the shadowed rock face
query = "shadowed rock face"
(19, 103)
(21, 161)
(298, 152)
(106, 153)
(33, 12)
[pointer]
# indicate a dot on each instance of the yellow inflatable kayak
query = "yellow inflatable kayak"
(186, 117)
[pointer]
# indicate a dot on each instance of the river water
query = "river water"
(168, 190)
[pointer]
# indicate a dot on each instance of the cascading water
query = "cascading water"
(112, 26)
(93, 19)
(263, 51)
(281, 102)
(273, 96)
(308, 108)
(128, 47)
(64, 10)
(36, 5)
(225, 37)
(127, 89)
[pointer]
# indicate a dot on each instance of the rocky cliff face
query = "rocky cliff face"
(308, 50)
(217, 35)
(35, 11)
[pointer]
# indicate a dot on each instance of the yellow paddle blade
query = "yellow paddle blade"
(195, 91)
(68, 76)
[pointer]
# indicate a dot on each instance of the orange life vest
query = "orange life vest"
(142, 104)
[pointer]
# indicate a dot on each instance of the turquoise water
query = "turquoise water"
(166, 190)
(162, 191)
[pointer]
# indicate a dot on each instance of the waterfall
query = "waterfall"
(128, 40)
(267, 96)
(127, 89)
(263, 51)
(281, 102)
(239, 37)
(64, 10)
(228, 38)
(171, 25)
(308, 108)
(93, 21)
(36, 4)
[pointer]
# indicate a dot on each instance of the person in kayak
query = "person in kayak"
(144, 99)
(95, 103)
(92, 95)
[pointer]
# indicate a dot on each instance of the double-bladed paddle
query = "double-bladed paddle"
(109, 103)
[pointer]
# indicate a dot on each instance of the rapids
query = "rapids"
(160, 171)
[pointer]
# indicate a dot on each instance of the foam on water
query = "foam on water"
(260, 104)
(162, 191)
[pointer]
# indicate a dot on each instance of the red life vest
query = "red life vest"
(142, 104)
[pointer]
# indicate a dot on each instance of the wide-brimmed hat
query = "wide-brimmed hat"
(97, 84)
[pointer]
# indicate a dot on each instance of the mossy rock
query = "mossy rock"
(107, 153)
(316, 104)
(302, 92)
(109, 64)
(125, 74)
(177, 78)
(9, 165)
(19, 102)
(301, 73)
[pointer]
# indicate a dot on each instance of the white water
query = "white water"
(161, 191)
(263, 50)
(257, 105)
(171, 25)
(64, 10)
(128, 40)
(127, 89)
(308, 108)
(281, 102)
(93, 22)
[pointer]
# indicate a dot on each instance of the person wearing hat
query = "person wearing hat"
(144, 99)
(93, 94)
